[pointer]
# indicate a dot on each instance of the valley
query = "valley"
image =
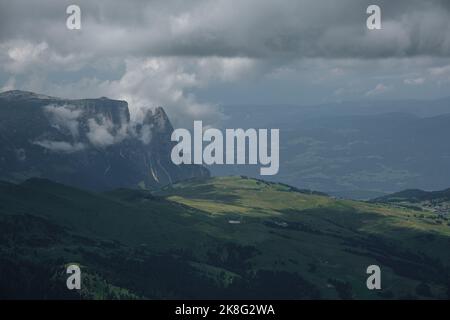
(357, 150)
(177, 242)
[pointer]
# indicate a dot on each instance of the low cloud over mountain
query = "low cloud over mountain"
(91, 143)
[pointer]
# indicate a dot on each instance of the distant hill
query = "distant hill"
(228, 237)
(358, 150)
(437, 202)
(416, 195)
(90, 143)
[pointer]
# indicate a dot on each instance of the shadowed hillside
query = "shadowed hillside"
(229, 237)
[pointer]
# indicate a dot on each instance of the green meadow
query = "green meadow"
(223, 237)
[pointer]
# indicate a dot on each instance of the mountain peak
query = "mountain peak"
(160, 111)
(161, 119)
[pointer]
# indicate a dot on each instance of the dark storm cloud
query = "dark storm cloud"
(189, 56)
(250, 28)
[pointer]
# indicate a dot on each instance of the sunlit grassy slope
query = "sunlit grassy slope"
(227, 237)
(302, 232)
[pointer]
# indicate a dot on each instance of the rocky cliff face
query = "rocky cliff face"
(89, 143)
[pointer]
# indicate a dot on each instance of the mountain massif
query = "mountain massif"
(90, 143)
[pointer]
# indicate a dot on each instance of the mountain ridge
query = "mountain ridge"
(415, 195)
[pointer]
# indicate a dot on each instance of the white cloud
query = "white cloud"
(64, 117)
(102, 132)
(165, 81)
(415, 81)
(379, 89)
(440, 71)
(60, 146)
(226, 69)
(22, 54)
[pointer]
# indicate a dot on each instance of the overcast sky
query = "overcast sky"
(192, 57)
